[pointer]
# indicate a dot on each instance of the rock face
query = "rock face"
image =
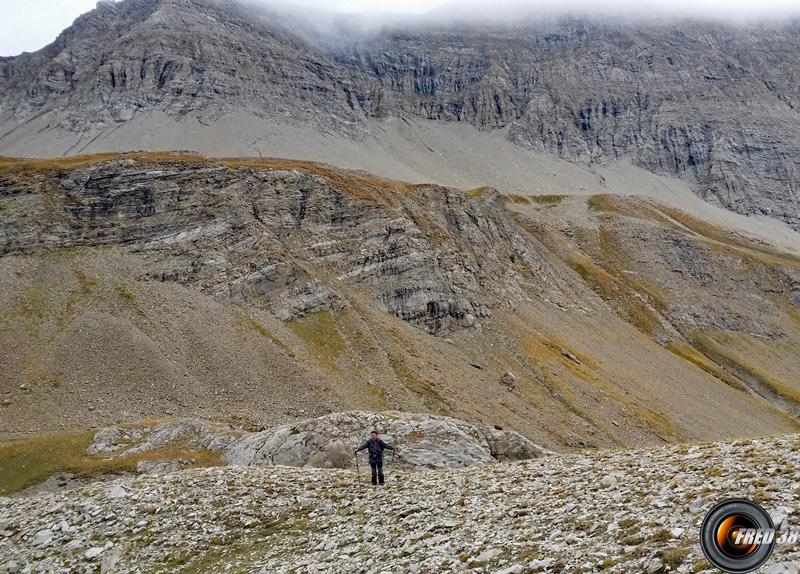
(709, 102)
(491, 518)
(433, 272)
(423, 441)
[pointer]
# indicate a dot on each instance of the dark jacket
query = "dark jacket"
(376, 448)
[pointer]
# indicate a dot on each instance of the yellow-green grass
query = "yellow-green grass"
(547, 199)
(698, 359)
(478, 191)
(607, 203)
(615, 290)
(27, 165)
(547, 352)
(736, 351)
(25, 462)
(412, 381)
(730, 242)
(28, 461)
(516, 198)
(247, 323)
(320, 337)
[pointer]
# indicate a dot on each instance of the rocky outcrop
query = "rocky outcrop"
(286, 237)
(423, 441)
(709, 102)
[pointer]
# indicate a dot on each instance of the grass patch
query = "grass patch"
(698, 359)
(547, 199)
(731, 242)
(247, 323)
(518, 199)
(320, 337)
(548, 352)
(617, 292)
(606, 203)
(25, 165)
(430, 397)
(793, 313)
(86, 283)
(478, 191)
(728, 349)
(88, 466)
(674, 557)
(124, 292)
(28, 461)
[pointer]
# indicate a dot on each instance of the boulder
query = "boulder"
(423, 441)
(508, 379)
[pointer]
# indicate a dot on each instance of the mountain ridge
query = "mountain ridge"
(713, 104)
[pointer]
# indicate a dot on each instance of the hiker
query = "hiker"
(376, 447)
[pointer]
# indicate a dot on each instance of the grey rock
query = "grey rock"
(423, 441)
(117, 491)
(241, 255)
(508, 379)
(308, 298)
(608, 481)
(698, 504)
(788, 567)
(563, 89)
(539, 565)
(488, 555)
(160, 466)
(191, 433)
(42, 538)
(93, 552)
(570, 356)
(432, 518)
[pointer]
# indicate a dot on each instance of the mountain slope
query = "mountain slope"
(150, 285)
(711, 103)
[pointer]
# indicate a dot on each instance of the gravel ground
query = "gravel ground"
(634, 511)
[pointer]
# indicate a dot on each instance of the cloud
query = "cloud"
(28, 25)
(730, 10)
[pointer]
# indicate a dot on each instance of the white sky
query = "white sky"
(28, 25)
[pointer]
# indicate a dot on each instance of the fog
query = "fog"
(440, 11)
(334, 22)
(29, 25)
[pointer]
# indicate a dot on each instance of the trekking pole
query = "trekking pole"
(358, 471)
(394, 446)
(394, 450)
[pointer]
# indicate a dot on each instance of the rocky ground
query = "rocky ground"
(633, 511)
